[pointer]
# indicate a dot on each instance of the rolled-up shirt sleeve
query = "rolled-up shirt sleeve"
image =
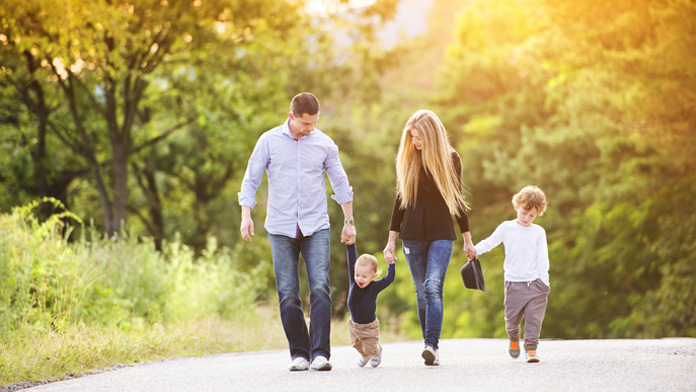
(343, 192)
(254, 173)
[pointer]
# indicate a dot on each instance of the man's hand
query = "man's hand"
(247, 227)
(348, 234)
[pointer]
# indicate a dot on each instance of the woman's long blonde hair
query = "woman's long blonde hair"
(435, 156)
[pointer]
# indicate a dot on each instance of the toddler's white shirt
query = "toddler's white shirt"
(526, 251)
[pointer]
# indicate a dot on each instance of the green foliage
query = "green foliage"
(585, 105)
(51, 283)
(146, 106)
(592, 102)
(41, 287)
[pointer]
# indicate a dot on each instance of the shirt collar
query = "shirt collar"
(288, 132)
(286, 129)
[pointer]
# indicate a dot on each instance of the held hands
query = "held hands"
(470, 250)
(390, 252)
(469, 246)
(348, 234)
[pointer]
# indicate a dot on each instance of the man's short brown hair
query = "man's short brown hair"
(304, 103)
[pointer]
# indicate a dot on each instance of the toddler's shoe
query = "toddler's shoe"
(530, 353)
(362, 361)
(514, 348)
(377, 359)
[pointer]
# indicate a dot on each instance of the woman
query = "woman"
(428, 182)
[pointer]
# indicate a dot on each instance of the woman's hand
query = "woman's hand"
(390, 249)
(470, 250)
(390, 252)
(469, 246)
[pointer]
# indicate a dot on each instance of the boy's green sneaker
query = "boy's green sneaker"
(514, 348)
(530, 353)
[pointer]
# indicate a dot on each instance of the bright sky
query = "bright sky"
(323, 7)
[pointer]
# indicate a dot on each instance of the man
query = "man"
(295, 157)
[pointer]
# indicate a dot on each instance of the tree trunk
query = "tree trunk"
(46, 183)
(87, 151)
(120, 167)
(146, 179)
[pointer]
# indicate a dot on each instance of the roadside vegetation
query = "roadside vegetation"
(68, 307)
(71, 307)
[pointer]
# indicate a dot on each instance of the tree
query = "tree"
(103, 58)
(36, 166)
(592, 103)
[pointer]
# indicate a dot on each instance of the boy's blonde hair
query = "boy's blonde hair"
(367, 259)
(530, 197)
(435, 158)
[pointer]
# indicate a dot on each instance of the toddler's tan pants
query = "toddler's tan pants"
(364, 337)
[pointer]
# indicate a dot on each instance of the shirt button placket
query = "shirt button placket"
(299, 175)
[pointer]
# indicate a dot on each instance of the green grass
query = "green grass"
(51, 356)
(69, 307)
(36, 358)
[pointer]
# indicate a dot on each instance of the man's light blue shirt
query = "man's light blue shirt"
(296, 186)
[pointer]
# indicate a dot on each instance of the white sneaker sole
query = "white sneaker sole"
(322, 367)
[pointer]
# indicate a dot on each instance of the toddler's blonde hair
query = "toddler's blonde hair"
(368, 259)
(530, 197)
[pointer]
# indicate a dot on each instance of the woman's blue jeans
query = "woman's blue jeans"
(315, 251)
(428, 262)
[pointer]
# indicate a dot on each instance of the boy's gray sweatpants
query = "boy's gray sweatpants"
(528, 300)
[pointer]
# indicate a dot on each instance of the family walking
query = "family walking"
(295, 157)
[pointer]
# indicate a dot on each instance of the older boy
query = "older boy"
(526, 269)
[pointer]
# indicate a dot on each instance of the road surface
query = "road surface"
(466, 364)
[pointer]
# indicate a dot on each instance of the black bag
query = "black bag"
(473, 276)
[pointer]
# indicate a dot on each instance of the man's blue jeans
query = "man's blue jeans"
(286, 263)
(428, 262)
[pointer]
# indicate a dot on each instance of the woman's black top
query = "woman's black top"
(430, 219)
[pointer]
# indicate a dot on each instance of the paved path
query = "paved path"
(467, 364)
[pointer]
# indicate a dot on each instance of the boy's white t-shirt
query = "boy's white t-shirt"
(526, 252)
